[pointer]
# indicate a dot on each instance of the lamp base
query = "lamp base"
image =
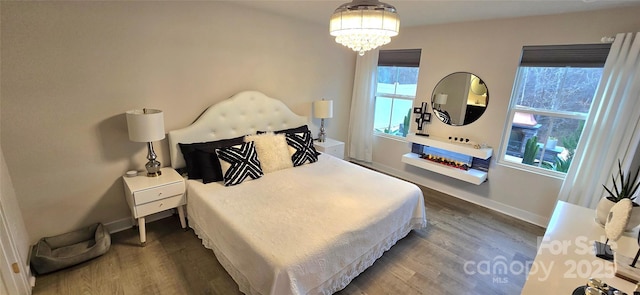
(153, 168)
(322, 136)
(155, 174)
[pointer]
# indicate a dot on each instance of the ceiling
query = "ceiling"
(428, 12)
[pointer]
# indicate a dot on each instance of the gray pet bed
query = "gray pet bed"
(55, 253)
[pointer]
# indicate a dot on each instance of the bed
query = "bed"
(307, 229)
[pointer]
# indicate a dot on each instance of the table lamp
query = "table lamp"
(147, 125)
(322, 109)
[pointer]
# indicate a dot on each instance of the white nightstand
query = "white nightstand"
(331, 147)
(149, 195)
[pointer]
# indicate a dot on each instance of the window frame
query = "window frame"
(393, 98)
(544, 56)
(507, 134)
(401, 58)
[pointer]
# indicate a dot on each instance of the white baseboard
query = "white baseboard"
(127, 223)
(484, 202)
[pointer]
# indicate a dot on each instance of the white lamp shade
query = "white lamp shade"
(441, 98)
(323, 109)
(145, 125)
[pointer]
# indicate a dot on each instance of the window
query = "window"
(550, 103)
(395, 91)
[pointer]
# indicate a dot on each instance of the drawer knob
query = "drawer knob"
(160, 194)
(161, 204)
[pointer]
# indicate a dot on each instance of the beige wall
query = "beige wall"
(71, 69)
(491, 50)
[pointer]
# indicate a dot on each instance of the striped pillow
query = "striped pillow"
(239, 162)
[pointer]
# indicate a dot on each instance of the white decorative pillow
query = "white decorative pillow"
(239, 162)
(272, 150)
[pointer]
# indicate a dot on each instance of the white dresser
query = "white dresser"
(565, 258)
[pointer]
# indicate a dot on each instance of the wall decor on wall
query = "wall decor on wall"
(422, 116)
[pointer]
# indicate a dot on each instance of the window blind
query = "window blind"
(400, 58)
(580, 55)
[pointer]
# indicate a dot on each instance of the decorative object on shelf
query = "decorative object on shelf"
(463, 140)
(459, 139)
(617, 220)
(626, 189)
(455, 99)
(322, 109)
(363, 25)
(147, 125)
(422, 116)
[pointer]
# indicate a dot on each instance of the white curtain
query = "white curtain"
(612, 131)
(362, 107)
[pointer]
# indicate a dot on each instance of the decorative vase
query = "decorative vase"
(602, 210)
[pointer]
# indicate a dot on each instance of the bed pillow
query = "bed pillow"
(210, 170)
(272, 150)
(193, 160)
(301, 148)
(303, 128)
(300, 129)
(239, 162)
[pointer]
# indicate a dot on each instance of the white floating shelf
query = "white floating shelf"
(472, 175)
(445, 144)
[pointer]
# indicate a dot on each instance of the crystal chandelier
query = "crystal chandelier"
(363, 25)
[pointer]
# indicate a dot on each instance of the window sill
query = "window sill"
(532, 169)
(392, 137)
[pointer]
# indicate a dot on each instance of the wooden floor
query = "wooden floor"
(455, 254)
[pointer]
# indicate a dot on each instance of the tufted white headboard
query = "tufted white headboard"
(243, 113)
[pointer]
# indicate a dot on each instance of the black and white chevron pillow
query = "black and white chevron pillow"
(301, 148)
(239, 162)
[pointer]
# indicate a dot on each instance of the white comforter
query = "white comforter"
(304, 230)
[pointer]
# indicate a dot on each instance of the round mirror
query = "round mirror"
(460, 99)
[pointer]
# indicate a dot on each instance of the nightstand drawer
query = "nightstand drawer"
(336, 151)
(331, 147)
(157, 193)
(161, 205)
